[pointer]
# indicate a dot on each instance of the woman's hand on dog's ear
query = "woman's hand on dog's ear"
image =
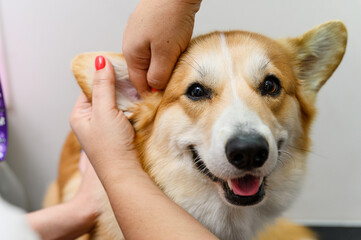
(103, 131)
(156, 34)
(107, 136)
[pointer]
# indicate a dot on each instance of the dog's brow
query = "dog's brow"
(265, 65)
(257, 64)
(188, 59)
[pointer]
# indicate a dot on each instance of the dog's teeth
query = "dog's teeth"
(261, 181)
(230, 184)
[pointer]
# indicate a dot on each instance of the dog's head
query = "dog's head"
(234, 119)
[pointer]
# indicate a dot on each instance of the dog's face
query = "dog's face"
(230, 108)
(232, 126)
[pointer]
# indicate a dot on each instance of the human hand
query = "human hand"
(89, 195)
(75, 217)
(156, 34)
(103, 131)
(107, 138)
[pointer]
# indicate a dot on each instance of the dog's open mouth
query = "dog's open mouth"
(243, 191)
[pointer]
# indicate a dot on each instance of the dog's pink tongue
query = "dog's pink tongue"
(246, 186)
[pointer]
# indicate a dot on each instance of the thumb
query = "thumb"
(103, 94)
(160, 70)
(80, 115)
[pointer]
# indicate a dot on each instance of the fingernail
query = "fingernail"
(99, 62)
(155, 90)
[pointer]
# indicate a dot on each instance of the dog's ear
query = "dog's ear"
(317, 53)
(83, 69)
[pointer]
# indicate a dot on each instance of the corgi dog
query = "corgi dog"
(228, 138)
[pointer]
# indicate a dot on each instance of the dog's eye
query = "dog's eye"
(197, 92)
(271, 86)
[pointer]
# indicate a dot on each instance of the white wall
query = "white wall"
(41, 37)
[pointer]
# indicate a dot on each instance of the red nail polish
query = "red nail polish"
(155, 90)
(99, 62)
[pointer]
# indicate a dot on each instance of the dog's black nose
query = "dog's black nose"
(247, 151)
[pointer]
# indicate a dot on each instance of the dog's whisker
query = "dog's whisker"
(307, 151)
(198, 65)
(285, 152)
(187, 61)
(301, 149)
(283, 156)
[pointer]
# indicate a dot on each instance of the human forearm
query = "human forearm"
(65, 221)
(143, 211)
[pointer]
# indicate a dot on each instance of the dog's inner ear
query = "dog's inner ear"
(83, 69)
(317, 53)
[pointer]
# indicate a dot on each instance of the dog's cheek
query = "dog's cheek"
(289, 119)
(173, 130)
(285, 182)
(167, 149)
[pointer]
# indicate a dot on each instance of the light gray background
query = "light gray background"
(41, 37)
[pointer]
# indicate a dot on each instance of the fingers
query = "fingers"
(138, 77)
(82, 106)
(81, 112)
(160, 69)
(150, 71)
(137, 56)
(156, 34)
(103, 98)
(84, 165)
(83, 162)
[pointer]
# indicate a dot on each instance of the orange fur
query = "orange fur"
(68, 167)
(68, 171)
(286, 230)
(302, 65)
(69, 160)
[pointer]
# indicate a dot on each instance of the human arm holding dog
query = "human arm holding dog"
(157, 32)
(142, 210)
(75, 217)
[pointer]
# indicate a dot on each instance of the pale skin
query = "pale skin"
(65, 221)
(156, 34)
(142, 210)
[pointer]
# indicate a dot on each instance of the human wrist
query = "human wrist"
(135, 179)
(114, 166)
(109, 157)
